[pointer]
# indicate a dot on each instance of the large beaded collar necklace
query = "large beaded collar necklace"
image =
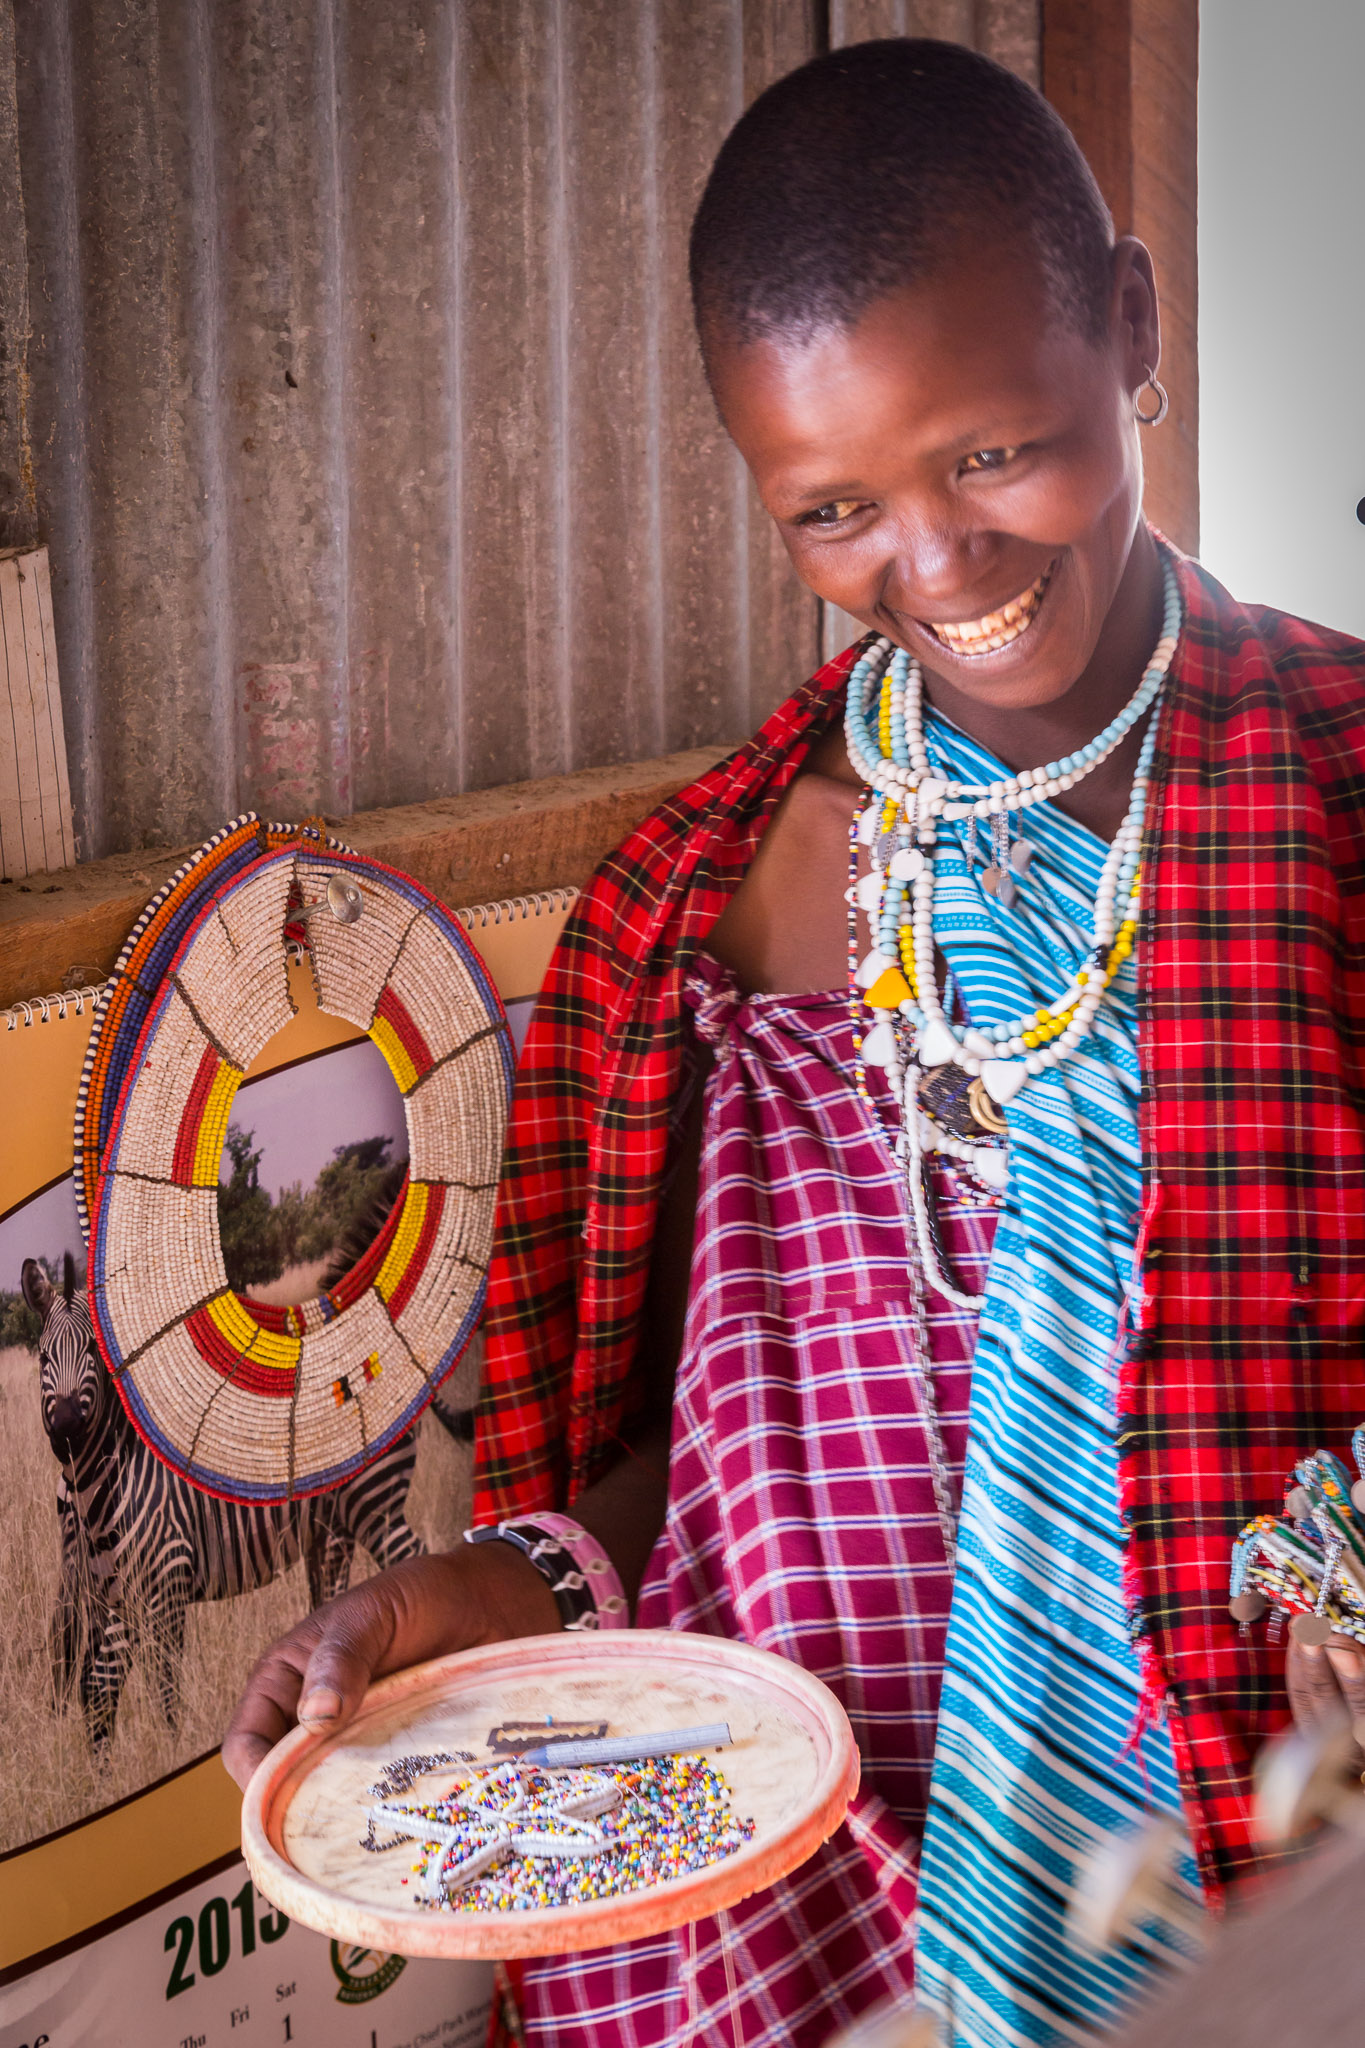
(952, 1078)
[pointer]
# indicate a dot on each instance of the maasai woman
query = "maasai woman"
(937, 1152)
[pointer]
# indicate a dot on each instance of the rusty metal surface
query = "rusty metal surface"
(359, 396)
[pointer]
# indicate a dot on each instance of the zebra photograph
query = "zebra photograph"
(140, 1545)
(136, 1603)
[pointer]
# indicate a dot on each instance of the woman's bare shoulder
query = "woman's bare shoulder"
(784, 930)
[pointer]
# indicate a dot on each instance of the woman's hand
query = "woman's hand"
(484, 1592)
(317, 1674)
(1326, 1681)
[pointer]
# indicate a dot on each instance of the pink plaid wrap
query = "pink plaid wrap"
(801, 1518)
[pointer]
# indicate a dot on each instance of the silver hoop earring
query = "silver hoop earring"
(1163, 403)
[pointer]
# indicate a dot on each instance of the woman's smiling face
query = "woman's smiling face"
(960, 470)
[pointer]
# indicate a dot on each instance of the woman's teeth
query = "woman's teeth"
(997, 629)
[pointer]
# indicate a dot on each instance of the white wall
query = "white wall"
(1282, 302)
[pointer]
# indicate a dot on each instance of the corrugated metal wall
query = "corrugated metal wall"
(346, 366)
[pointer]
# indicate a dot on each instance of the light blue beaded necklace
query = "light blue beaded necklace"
(908, 765)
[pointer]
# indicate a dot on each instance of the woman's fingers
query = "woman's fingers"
(352, 1649)
(318, 1673)
(1348, 1663)
(1325, 1681)
(267, 1708)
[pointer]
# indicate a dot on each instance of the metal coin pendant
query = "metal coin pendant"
(959, 1104)
(985, 1112)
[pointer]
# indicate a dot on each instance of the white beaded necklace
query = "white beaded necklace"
(952, 1081)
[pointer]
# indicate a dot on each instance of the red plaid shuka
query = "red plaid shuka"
(1249, 1347)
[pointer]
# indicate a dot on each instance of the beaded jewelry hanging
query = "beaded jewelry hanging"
(953, 1080)
(1308, 1562)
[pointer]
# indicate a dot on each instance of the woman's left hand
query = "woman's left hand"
(1326, 1680)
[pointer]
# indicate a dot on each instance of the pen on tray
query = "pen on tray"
(627, 1749)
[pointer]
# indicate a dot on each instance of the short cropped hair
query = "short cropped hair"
(858, 175)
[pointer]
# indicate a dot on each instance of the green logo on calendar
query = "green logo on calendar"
(363, 1972)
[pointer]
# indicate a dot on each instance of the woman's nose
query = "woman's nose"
(931, 568)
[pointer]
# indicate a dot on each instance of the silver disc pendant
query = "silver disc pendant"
(999, 882)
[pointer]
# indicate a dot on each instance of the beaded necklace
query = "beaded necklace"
(950, 1079)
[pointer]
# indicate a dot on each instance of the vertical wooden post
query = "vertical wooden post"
(1124, 76)
(35, 796)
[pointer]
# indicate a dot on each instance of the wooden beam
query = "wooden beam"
(65, 930)
(1124, 76)
(1087, 48)
(1165, 216)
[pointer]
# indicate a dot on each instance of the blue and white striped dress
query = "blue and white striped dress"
(1041, 1687)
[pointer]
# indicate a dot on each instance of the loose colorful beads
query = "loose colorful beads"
(516, 1838)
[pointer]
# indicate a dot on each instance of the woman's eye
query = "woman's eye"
(832, 514)
(988, 458)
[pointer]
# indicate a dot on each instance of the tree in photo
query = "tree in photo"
(251, 1253)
